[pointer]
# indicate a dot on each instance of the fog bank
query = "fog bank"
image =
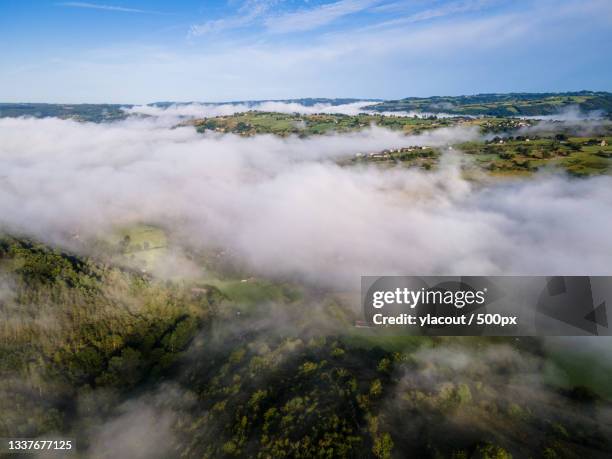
(286, 209)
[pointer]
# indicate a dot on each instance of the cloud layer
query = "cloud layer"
(283, 206)
(171, 112)
(203, 110)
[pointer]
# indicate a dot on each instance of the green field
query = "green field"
(507, 156)
(281, 124)
(140, 246)
(578, 156)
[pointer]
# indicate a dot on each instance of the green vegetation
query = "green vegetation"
(281, 124)
(500, 125)
(423, 157)
(518, 147)
(99, 113)
(520, 155)
(140, 247)
(96, 113)
(272, 395)
(306, 101)
(512, 104)
(578, 156)
(499, 105)
(261, 369)
(72, 325)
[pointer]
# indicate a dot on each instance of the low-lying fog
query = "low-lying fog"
(204, 110)
(284, 206)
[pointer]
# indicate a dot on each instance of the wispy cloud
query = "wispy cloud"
(249, 12)
(453, 54)
(260, 12)
(96, 6)
(449, 9)
(316, 17)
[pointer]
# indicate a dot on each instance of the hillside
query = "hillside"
(284, 124)
(91, 348)
(98, 113)
(511, 104)
(95, 113)
(306, 102)
(502, 105)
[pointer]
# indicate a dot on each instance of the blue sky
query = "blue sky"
(134, 51)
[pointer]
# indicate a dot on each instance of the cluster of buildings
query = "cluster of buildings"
(390, 152)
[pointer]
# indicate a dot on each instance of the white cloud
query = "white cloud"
(169, 114)
(274, 70)
(284, 208)
(466, 55)
(199, 110)
(96, 6)
(448, 9)
(141, 428)
(461, 55)
(296, 21)
(249, 12)
(316, 17)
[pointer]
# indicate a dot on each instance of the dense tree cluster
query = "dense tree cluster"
(81, 338)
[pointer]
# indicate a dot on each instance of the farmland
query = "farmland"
(254, 123)
(512, 104)
(578, 156)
